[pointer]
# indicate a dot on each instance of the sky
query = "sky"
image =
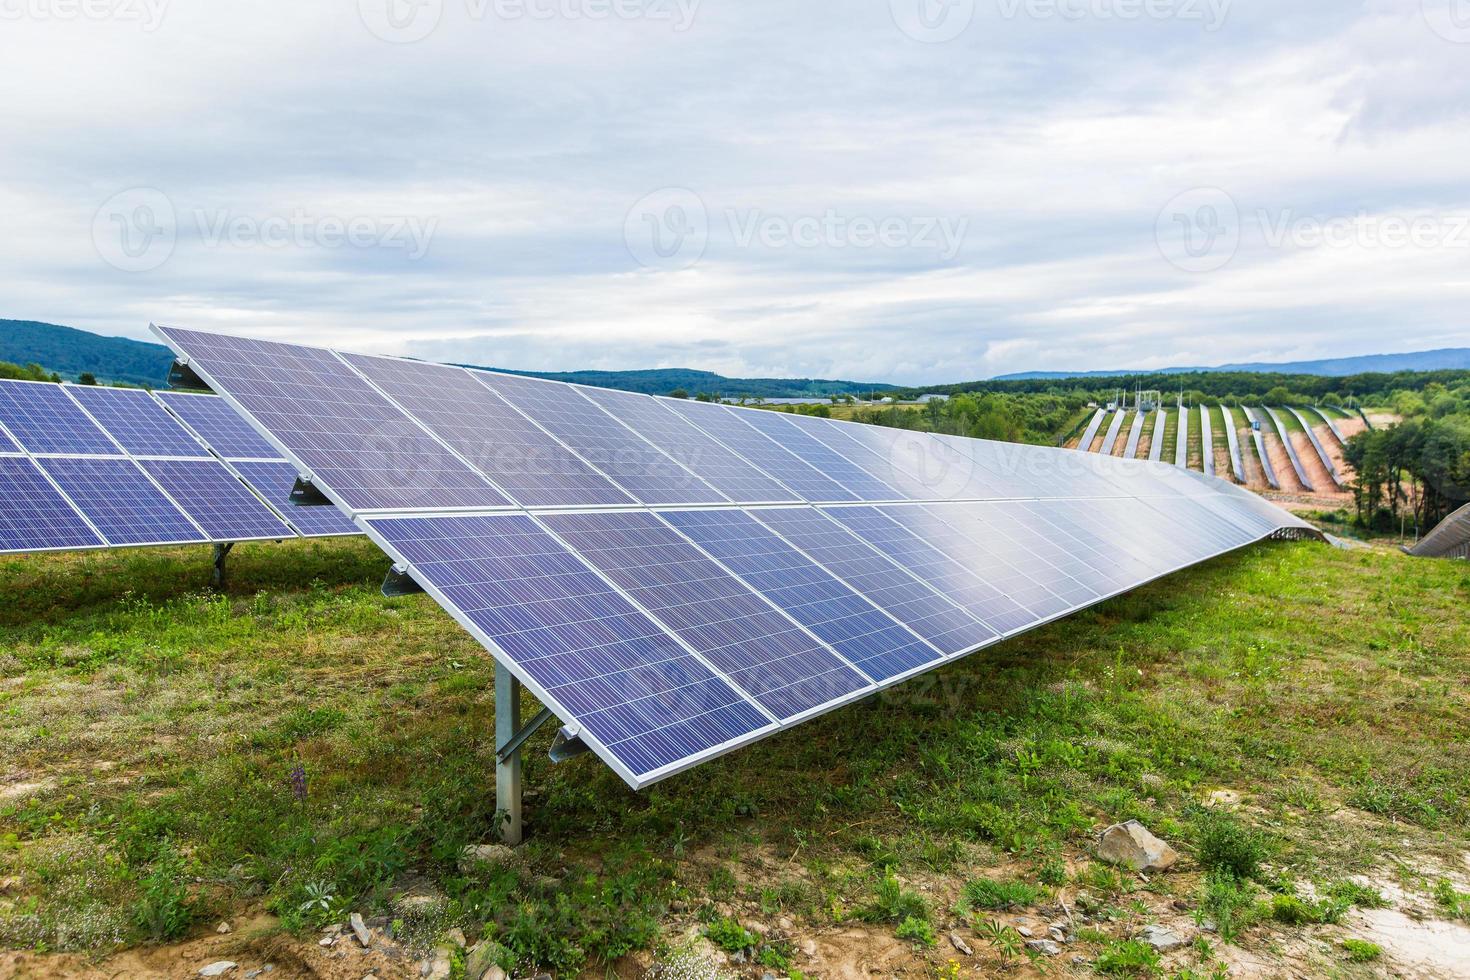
(900, 191)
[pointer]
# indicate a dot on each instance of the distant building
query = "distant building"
(932, 397)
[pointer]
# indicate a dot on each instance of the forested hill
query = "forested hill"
(70, 352)
(1444, 359)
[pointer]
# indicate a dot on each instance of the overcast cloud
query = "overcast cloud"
(911, 191)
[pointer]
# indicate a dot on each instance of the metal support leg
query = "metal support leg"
(508, 770)
(221, 552)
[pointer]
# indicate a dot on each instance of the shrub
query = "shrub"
(1229, 902)
(730, 935)
(164, 909)
(990, 894)
(1361, 951)
(1225, 844)
(917, 931)
(894, 903)
(1131, 958)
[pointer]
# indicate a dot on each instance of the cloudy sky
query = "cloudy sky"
(893, 190)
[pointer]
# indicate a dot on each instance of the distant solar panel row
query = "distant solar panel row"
(93, 467)
(676, 579)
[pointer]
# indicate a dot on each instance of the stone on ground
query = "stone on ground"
(1130, 844)
(1044, 946)
(218, 968)
(1161, 938)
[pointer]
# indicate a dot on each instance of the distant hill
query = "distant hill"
(1445, 359)
(69, 352)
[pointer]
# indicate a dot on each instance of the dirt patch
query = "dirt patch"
(1281, 463)
(1325, 488)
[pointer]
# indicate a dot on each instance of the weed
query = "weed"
(1361, 950)
(1128, 958)
(730, 935)
(1456, 904)
(1229, 902)
(1352, 893)
(894, 903)
(990, 894)
(1223, 843)
(917, 931)
(1002, 938)
(164, 909)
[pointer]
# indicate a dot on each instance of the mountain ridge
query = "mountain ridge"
(1441, 359)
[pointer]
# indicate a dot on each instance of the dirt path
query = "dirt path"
(1255, 474)
(1281, 460)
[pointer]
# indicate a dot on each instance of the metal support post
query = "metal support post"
(221, 552)
(508, 769)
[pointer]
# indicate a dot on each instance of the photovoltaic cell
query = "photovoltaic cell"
(870, 639)
(763, 652)
(780, 427)
(120, 500)
(45, 420)
(274, 482)
(522, 459)
(878, 579)
(634, 465)
(7, 445)
(217, 500)
(136, 421)
(691, 446)
(219, 425)
(352, 439)
(633, 688)
(34, 516)
(731, 430)
(946, 576)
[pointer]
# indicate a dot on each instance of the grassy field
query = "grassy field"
(301, 746)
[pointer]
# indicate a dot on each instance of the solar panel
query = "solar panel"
(645, 702)
(524, 460)
(356, 444)
(136, 421)
(689, 445)
(274, 481)
(34, 515)
(879, 579)
(780, 427)
(121, 502)
(732, 430)
(219, 425)
(868, 638)
(634, 464)
(7, 444)
(217, 500)
(764, 653)
(718, 606)
(44, 420)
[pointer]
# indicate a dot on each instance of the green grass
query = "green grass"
(301, 744)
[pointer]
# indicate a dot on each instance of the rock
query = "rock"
(959, 943)
(1057, 933)
(1161, 938)
(480, 854)
(1208, 925)
(222, 928)
(326, 941)
(1025, 931)
(456, 936)
(252, 974)
(218, 968)
(1130, 844)
(360, 930)
(335, 929)
(479, 961)
(808, 948)
(785, 924)
(1044, 946)
(1223, 798)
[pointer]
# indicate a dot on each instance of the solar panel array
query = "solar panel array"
(90, 467)
(675, 579)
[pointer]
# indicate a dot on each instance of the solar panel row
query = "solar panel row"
(675, 579)
(94, 467)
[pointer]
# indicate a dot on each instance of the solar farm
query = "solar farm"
(538, 676)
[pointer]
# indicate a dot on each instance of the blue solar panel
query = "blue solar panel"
(869, 638)
(274, 481)
(7, 444)
(351, 438)
(763, 652)
(696, 449)
(138, 422)
(731, 430)
(645, 703)
(34, 517)
(522, 459)
(217, 500)
(634, 465)
(44, 420)
(950, 578)
(219, 425)
(1016, 541)
(878, 579)
(120, 500)
(780, 427)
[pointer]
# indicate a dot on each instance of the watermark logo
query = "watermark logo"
(302, 229)
(668, 229)
(932, 21)
(832, 229)
(1199, 230)
(400, 21)
(135, 230)
(940, 468)
(148, 14)
(1450, 19)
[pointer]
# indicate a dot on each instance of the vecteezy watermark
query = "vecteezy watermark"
(407, 21)
(302, 229)
(148, 14)
(136, 230)
(1450, 19)
(671, 228)
(936, 21)
(1201, 230)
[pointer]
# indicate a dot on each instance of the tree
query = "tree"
(678, 393)
(86, 378)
